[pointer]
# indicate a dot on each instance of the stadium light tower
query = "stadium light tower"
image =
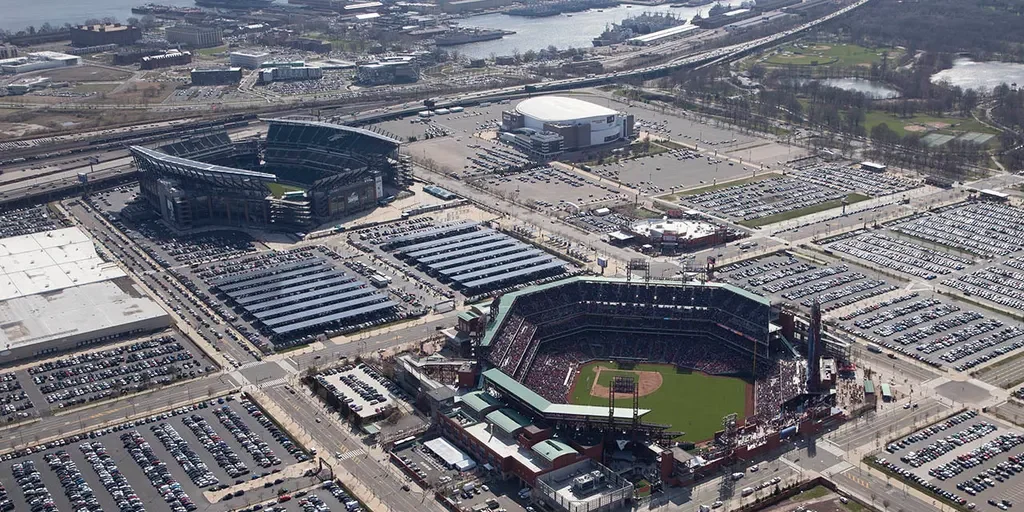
(814, 348)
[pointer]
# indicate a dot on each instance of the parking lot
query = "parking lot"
(897, 253)
(162, 462)
(28, 220)
(365, 392)
(111, 371)
(967, 459)
(130, 248)
(923, 326)
(552, 189)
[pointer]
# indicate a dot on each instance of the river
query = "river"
(563, 31)
(20, 14)
(969, 74)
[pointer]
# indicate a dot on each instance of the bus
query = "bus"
(874, 348)
(404, 443)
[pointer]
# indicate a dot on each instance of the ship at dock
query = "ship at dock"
(235, 4)
(645, 23)
(169, 10)
(470, 36)
(543, 10)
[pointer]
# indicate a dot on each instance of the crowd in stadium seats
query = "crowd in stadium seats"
(547, 373)
(783, 380)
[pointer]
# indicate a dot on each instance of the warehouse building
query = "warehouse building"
(227, 76)
(248, 60)
(395, 71)
(57, 294)
(95, 35)
(38, 61)
(194, 36)
(171, 58)
(290, 73)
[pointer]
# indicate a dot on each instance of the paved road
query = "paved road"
(120, 410)
(875, 490)
(373, 473)
(899, 366)
(862, 431)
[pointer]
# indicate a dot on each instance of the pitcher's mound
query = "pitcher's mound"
(647, 382)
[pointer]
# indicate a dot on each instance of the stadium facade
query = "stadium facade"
(549, 125)
(209, 180)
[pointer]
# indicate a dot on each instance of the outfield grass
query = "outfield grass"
(279, 189)
(692, 402)
(800, 212)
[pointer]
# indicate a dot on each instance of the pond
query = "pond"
(969, 74)
(870, 88)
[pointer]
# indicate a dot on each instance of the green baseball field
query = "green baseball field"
(692, 402)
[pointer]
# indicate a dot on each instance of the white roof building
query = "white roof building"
(552, 109)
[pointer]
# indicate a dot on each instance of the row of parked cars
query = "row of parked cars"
(157, 473)
(926, 433)
(32, 487)
(187, 458)
(76, 489)
(282, 438)
(111, 477)
(221, 451)
(250, 441)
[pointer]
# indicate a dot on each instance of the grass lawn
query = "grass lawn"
(897, 124)
(208, 52)
(279, 189)
(637, 212)
(800, 212)
(724, 184)
(811, 494)
(692, 402)
(825, 54)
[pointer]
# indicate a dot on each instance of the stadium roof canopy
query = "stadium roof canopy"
(508, 420)
(504, 306)
(543, 406)
(479, 400)
(195, 169)
(552, 449)
(561, 108)
(336, 127)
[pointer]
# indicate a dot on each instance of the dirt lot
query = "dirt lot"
(86, 74)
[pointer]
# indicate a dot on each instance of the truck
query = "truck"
(747, 491)
(874, 348)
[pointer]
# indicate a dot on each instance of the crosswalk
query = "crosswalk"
(859, 481)
(351, 455)
(273, 383)
(251, 364)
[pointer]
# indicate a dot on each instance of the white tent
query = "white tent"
(451, 455)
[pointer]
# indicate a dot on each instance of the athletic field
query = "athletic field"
(692, 402)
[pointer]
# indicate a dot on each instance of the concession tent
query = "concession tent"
(452, 456)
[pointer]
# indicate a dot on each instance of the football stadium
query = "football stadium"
(303, 174)
(681, 378)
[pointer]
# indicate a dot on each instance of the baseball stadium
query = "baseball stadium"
(659, 380)
(572, 341)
